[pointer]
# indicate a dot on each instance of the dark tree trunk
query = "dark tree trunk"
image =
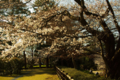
(74, 63)
(32, 59)
(47, 62)
(61, 62)
(40, 62)
(113, 71)
(50, 62)
(67, 61)
(24, 59)
(112, 58)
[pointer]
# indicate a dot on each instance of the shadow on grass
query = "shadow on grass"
(81, 75)
(34, 71)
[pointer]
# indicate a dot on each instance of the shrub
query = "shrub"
(1, 66)
(16, 65)
(8, 68)
(87, 63)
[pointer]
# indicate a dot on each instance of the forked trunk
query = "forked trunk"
(113, 68)
(113, 72)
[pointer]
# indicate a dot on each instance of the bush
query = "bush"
(87, 63)
(7, 68)
(1, 66)
(13, 66)
(16, 65)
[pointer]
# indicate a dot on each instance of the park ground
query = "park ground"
(33, 74)
(82, 74)
(50, 74)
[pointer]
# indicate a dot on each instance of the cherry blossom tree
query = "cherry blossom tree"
(62, 28)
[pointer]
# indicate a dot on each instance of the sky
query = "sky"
(61, 2)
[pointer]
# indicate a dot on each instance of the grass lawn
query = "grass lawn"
(39, 74)
(6, 78)
(81, 75)
(9, 77)
(33, 74)
(36, 66)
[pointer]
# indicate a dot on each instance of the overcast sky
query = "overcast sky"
(61, 2)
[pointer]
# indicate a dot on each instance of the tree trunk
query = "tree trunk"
(61, 60)
(74, 63)
(113, 71)
(50, 62)
(112, 58)
(47, 62)
(32, 59)
(24, 59)
(40, 62)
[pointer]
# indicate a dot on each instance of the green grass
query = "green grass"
(41, 66)
(39, 74)
(36, 66)
(81, 75)
(8, 77)
(34, 74)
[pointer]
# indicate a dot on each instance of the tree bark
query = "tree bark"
(32, 59)
(40, 62)
(74, 63)
(47, 62)
(113, 71)
(24, 59)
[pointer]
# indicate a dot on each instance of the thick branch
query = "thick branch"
(115, 21)
(101, 48)
(107, 39)
(102, 22)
